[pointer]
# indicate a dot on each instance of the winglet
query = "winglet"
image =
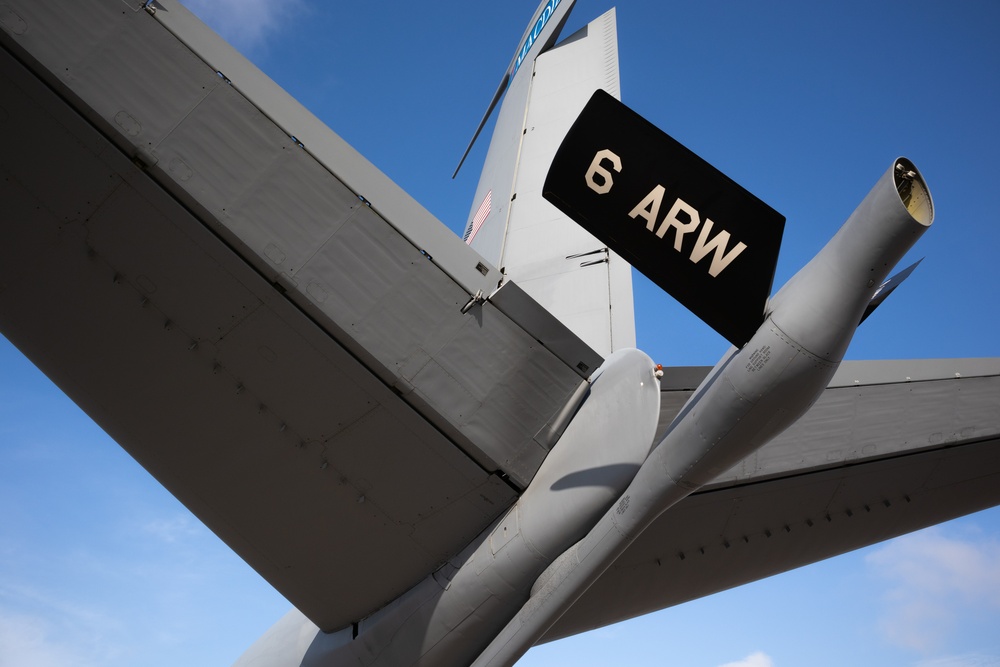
(887, 288)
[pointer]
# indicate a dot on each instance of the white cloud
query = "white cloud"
(757, 659)
(245, 24)
(931, 575)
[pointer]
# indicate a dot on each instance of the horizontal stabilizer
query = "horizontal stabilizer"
(887, 288)
(684, 224)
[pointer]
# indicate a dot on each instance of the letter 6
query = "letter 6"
(597, 170)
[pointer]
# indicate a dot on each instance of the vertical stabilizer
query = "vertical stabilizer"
(569, 272)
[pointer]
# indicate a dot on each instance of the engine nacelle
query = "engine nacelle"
(594, 460)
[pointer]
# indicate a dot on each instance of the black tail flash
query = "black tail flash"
(680, 221)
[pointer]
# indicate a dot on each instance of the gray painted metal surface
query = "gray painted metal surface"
(452, 615)
(496, 180)
(359, 175)
(569, 272)
(546, 24)
(259, 316)
(733, 535)
(279, 393)
(890, 447)
(751, 395)
(511, 300)
(239, 404)
(550, 256)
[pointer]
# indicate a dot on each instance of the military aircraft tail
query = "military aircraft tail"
(563, 267)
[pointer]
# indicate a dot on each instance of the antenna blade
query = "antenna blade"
(482, 123)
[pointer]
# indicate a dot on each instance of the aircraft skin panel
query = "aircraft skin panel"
(339, 258)
(876, 457)
(554, 260)
(263, 321)
(491, 203)
(406, 214)
(870, 409)
(551, 257)
(487, 225)
(657, 572)
(261, 365)
(239, 404)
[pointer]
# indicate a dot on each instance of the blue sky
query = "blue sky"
(804, 104)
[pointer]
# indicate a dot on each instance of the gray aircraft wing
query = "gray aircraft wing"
(329, 378)
(306, 358)
(890, 447)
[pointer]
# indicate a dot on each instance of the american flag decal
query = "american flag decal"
(477, 221)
